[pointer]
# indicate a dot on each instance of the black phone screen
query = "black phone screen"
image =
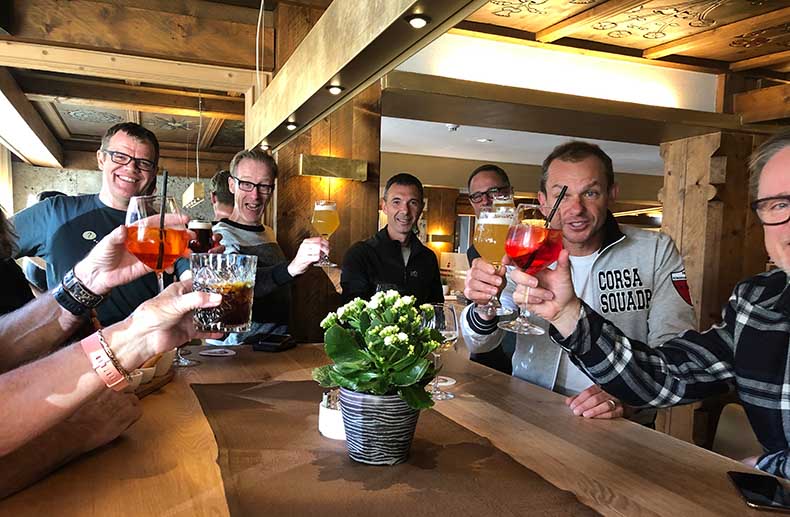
(761, 491)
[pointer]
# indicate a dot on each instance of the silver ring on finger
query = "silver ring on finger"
(612, 404)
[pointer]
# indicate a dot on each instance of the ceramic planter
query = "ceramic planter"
(379, 428)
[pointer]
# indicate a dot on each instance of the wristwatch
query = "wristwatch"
(74, 296)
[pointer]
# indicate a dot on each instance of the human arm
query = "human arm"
(309, 253)
(483, 281)
(96, 423)
(480, 333)
(684, 369)
(436, 294)
(40, 394)
(31, 227)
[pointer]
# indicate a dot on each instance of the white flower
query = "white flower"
(403, 337)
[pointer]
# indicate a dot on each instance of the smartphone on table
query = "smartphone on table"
(270, 342)
(761, 491)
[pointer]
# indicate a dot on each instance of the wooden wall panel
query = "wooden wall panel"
(440, 215)
(353, 131)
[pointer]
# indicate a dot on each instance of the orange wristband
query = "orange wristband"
(102, 363)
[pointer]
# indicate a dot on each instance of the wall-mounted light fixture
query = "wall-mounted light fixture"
(335, 89)
(331, 167)
(418, 21)
(435, 237)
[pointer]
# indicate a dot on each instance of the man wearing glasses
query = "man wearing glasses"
(251, 181)
(63, 229)
(747, 351)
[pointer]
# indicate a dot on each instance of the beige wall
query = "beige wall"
(451, 172)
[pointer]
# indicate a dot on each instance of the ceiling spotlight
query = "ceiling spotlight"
(264, 146)
(483, 140)
(452, 127)
(334, 89)
(291, 126)
(418, 21)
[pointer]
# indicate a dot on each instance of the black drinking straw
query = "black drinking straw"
(162, 209)
(553, 209)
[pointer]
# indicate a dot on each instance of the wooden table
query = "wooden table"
(165, 464)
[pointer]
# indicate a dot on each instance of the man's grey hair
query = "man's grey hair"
(256, 154)
(763, 155)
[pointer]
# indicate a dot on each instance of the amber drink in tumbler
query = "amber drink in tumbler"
(232, 276)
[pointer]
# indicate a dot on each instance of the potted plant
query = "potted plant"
(381, 361)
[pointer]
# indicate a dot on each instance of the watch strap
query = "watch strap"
(101, 362)
(68, 302)
(79, 291)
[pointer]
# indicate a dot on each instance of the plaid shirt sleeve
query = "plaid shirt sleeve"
(684, 369)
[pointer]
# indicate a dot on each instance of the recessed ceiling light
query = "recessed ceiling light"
(291, 126)
(264, 146)
(418, 21)
(484, 140)
(334, 89)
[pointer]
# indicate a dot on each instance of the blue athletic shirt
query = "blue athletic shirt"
(63, 229)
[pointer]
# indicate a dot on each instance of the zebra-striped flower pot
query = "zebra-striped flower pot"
(379, 428)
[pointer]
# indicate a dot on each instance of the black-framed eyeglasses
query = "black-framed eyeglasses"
(124, 159)
(248, 186)
(493, 192)
(772, 211)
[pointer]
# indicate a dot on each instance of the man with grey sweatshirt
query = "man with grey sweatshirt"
(634, 277)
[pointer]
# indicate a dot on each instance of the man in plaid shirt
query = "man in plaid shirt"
(749, 350)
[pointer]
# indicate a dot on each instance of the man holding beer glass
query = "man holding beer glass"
(635, 277)
(251, 180)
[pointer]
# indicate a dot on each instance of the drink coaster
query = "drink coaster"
(217, 352)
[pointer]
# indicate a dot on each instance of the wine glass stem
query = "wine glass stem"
(160, 280)
(435, 389)
(524, 316)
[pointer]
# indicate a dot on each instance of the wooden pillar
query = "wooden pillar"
(353, 131)
(706, 212)
(440, 214)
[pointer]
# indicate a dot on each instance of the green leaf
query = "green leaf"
(341, 346)
(322, 376)
(364, 322)
(351, 367)
(412, 375)
(416, 397)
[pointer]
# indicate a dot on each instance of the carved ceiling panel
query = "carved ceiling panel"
(530, 15)
(661, 21)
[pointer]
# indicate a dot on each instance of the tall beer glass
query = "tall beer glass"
(325, 221)
(490, 236)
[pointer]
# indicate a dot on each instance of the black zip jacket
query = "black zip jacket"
(379, 261)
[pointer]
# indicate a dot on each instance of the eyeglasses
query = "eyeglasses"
(248, 186)
(124, 159)
(493, 192)
(772, 211)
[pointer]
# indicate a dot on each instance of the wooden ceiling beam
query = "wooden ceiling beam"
(22, 130)
(102, 94)
(440, 99)
(766, 61)
(585, 18)
(202, 33)
(51, 58)
(210, 131)
(762, 105)
(723, 33)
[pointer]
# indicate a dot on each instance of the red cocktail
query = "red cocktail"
(533, 248)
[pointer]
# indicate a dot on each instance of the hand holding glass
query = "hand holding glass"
(532, 247)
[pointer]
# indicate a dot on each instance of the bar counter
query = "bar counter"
(165, 464)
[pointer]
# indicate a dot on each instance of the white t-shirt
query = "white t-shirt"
(569, 378)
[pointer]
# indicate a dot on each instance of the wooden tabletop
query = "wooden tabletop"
(165, 463)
